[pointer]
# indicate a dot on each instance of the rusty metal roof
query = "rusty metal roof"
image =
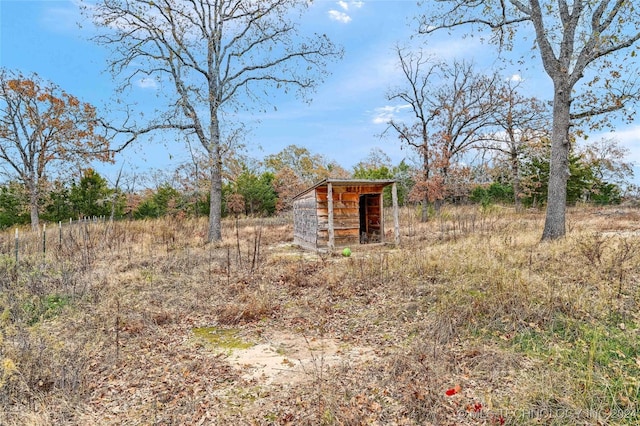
(345, 182)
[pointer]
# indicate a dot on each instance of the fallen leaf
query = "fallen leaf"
(454, 390)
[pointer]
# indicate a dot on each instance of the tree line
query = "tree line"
(267, 187)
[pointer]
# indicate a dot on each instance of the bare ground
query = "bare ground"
(413, 335)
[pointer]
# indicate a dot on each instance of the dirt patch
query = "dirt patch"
(283, 357)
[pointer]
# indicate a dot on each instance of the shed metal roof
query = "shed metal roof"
(345, 182)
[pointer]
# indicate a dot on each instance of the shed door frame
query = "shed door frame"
(371, 220)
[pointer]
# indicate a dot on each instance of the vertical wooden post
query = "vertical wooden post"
(381, 217)
(17, 246)
(332, 241)
(396, 219)
(44, 239)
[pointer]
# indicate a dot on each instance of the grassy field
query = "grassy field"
(471, 321)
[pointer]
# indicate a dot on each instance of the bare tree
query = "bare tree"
(44, 129)
(450, 105)
(582, 41)
(217, 55)
(608, 161)
(418, 71)
(295, 168)
(465, 103)
(519, 121)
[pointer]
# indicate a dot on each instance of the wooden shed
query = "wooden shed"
(342, 212)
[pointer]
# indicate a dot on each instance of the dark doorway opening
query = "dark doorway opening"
(370, 218)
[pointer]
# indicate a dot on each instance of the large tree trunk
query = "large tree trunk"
(425, 175)
(35, 218)
(33, 206)
(215, 163)
(215, 205)
(515, 172)
(554, 226)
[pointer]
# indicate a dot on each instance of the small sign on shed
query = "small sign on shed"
(342, 212)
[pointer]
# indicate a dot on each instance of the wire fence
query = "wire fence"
(48, 237)
(86, 239)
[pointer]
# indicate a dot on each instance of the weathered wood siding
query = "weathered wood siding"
(305, 221)
(311, 215)
(346, 213)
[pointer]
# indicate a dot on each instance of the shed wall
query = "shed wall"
(305, 221)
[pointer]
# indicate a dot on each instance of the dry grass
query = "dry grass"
(99, 330)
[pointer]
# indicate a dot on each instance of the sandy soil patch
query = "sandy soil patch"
(283, 357)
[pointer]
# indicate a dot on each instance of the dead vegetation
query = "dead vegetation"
(472, 321)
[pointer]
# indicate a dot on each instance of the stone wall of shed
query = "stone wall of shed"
(305, 221)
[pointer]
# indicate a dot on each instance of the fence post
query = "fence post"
(60, 233)
(44, 239)
(17, 245)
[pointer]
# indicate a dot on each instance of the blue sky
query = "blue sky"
(342, 122)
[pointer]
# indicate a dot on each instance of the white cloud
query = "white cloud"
(383, 115)
(339, 16)
(346, 5)
(629, 137)
(342, 16)
(147, 83)
(516, 78)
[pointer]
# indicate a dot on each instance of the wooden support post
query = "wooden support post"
(396, 219)
(381, 217)
(332, 239)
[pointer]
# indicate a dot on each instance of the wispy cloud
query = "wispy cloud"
(385, 114)
(362, 78)
(63, 16)
(336, 15)
(342, 15)
(147, 83)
